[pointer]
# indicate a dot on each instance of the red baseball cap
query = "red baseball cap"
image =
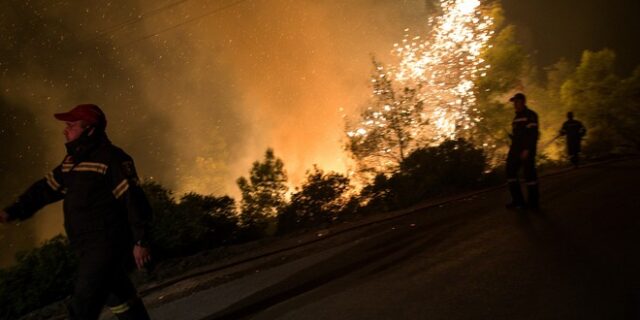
(87, 112)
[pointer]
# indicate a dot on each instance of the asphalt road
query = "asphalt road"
(577, 258)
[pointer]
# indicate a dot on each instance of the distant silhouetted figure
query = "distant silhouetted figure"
(574, 131)
(522, 154)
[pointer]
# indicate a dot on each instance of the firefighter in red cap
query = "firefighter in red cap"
(522, 154)
(106, 215)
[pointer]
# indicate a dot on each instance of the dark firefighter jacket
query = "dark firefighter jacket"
(573, 129)
(102, 199)
(524, 131)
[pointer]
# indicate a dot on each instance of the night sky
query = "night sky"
(197, 90)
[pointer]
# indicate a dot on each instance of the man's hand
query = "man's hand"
(4, 217)
(524, 154)
(141, 255)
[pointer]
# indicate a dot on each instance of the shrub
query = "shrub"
(453, 165)
(319, 201)
(195, 223)
(41, 276)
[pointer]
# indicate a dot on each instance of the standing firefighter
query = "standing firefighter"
(106, 215)
(522, 154)
(574, 131)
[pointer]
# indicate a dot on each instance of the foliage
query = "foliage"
(628, 109)
(41, 276)
(263, 194)
(195, 223)
(452, 166)
(217, 215)
(388, 128)
(508, 62)
(590, 92)
(319, 201)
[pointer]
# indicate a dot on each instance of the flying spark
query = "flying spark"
(428, 96)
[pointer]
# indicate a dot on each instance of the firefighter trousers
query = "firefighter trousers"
(102, 280)
(528, 166)
(573, 149)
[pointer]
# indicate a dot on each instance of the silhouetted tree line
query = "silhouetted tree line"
(193, 224)
(320, 201)
(453, 166)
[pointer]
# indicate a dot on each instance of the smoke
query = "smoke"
(268, 74)
(194, 90)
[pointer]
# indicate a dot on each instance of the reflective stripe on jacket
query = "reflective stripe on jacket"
(524, 130)
(102, 197)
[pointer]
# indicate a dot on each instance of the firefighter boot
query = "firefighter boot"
(533, 196)
(132, 310)
(517, 199)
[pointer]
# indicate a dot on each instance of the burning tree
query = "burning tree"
(390, 126)
(428, 97)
